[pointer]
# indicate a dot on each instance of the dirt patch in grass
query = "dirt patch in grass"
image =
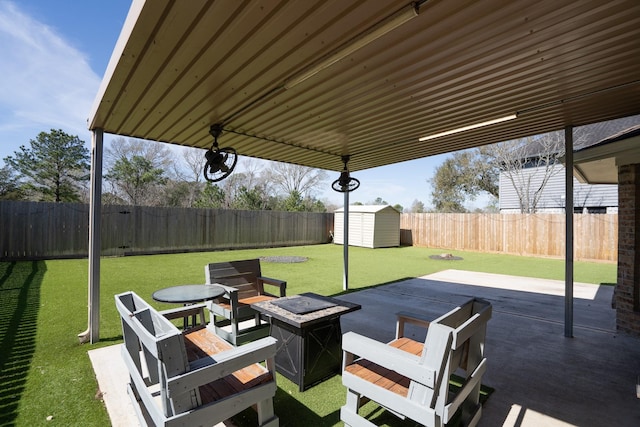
(283, 259)
(446, 257)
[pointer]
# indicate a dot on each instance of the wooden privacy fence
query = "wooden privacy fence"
(595, 235)
(39, 230)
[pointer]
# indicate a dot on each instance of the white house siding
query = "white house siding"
(592, 198)
(369, 226)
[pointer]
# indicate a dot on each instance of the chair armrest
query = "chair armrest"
(227, 289)
(281, 284)
(188, 310)
(412, 318)
(392, 358)
(210, 368)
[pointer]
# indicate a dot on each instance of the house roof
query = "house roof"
(585, 136)
(598, 164)
(308, 82)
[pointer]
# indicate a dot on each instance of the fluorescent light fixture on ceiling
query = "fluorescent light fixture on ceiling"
(372, 33)
(469, 127)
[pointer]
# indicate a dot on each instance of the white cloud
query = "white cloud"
(45, 83)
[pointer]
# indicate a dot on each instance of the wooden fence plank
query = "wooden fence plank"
(595, 235)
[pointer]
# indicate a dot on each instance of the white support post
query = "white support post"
(568, 272)
(92, 334)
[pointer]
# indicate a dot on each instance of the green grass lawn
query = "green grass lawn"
(44, 371)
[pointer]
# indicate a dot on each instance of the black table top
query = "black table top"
(187, 294)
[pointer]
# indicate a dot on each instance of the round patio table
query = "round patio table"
(188, 294)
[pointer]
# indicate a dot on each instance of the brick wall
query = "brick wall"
(627, 295)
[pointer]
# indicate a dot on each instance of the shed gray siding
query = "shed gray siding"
(594, 197)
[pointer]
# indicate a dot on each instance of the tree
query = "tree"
(178, 193)
(134, 177)
(187, 188)
(417, 207)
(211, 196)
(316, 205)
(288, 178)
(246, 191)
(54, 167)
(293, 203)
(448, 193)
(137, 171)
(540, 155)
(250, 199)
(195, 160)
(9, 184)
(379, 201)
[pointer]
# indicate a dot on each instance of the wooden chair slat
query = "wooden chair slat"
(408, 345)
(255, 299)
(203, 342)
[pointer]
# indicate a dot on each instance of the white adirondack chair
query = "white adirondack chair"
(194, 377)
(411, 379)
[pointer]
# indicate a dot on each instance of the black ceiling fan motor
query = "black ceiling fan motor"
(346, 183)
(220, 162)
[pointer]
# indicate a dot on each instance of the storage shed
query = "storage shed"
(375, 226)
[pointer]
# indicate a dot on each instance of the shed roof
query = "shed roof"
(368, 208)
(308, 82)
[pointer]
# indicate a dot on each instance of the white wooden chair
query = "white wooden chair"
(410, 378)
(194, 377)
(244, 285)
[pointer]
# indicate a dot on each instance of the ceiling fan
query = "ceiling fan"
(220, 161)
(346, 183)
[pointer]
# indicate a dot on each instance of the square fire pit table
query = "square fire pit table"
(307, 327)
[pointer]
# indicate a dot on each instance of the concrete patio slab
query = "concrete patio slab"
(112, 376)
(541, 378)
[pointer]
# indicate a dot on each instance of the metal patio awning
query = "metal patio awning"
(307, 82)
(384, 81)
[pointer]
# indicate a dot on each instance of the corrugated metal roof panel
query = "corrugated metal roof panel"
(180, 67)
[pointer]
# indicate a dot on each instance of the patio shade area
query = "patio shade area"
(539, 376)
(330, 83)
(383, 81)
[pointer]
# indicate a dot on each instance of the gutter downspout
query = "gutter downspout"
(92, 334)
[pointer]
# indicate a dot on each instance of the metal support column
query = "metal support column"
(345, 243)
(568, 272)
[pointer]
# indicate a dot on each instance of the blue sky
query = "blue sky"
(54, 54)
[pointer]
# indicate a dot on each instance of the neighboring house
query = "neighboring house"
(588, 198)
